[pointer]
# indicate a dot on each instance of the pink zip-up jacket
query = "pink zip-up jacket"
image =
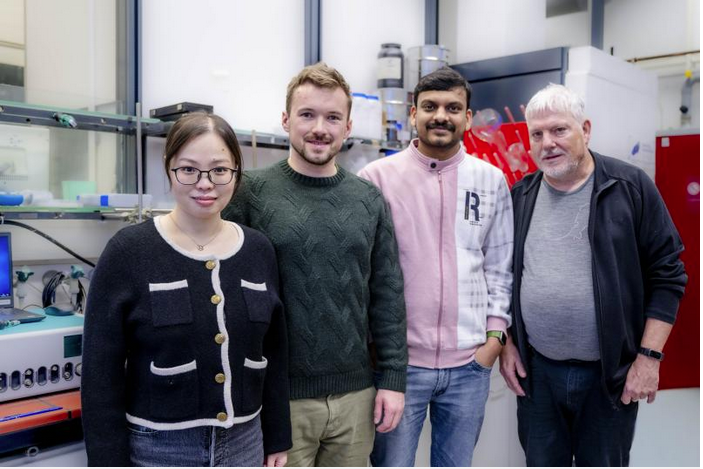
(454, 225)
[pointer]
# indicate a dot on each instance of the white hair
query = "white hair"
(556, 98)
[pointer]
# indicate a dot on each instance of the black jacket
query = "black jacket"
(204, 341)
(637, 273)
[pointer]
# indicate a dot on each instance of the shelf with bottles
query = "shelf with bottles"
(252, 138)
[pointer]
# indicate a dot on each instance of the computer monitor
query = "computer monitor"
(6, 291)
(7, 296)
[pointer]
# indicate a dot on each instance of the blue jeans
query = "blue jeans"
(457, 401)
(241, 445)
(569, 419)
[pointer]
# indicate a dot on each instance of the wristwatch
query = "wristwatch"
(500, 335)
(652, 353)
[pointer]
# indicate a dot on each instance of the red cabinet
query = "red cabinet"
(678, 180)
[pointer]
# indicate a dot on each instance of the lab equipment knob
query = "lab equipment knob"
(54, 374)
(68, 371)
(28, 378)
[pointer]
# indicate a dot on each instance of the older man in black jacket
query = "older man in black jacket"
(597, 284)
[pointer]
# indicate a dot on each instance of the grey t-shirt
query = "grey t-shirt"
(556, 296)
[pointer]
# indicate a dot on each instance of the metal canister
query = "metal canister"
(423, 60)
(396, 104)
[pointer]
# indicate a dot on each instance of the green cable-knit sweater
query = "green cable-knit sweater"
(340, 276)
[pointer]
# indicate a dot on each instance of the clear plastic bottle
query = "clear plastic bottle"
(375, 118)
(358, 114)
(390, 68)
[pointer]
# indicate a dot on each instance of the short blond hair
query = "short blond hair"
(321, 75)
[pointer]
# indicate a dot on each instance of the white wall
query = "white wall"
(633, 28)
(12, 21)
(670, 70)
(70, 56)
(352, 34)
(668, 114)
(235, 55)
(12, 32)
(644, 28)
(638, 28)
(573, 29)
(488, 29)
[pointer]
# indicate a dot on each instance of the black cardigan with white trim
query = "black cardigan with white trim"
(205, 343)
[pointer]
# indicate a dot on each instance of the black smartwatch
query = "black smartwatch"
(651, 353)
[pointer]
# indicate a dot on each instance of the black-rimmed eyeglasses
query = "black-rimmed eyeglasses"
(219, 176)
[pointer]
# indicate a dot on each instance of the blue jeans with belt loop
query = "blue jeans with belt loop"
(457, 400)
(239, 446)
(569, 419)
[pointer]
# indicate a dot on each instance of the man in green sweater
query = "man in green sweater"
(340, 279)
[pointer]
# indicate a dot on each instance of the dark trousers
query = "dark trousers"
(568, 418)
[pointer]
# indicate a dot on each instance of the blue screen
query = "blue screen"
(5, 268)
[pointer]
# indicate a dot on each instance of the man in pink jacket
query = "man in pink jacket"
(453, 221)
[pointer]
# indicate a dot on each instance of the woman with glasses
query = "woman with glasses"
(185, 345)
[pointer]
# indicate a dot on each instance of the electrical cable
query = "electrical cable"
(80, 298)
(49, 294)
(46, 236)
(56, 281)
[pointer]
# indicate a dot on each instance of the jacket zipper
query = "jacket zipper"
(441, 269)
(598, 303)
(527, 207)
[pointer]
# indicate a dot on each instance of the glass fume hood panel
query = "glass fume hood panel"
(50, 166)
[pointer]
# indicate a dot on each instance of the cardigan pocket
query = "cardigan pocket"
(170, 303)
(258, 301)
(174, 392)
(253, 384)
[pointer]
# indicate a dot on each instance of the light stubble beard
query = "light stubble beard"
(303, 154)
(559, 173)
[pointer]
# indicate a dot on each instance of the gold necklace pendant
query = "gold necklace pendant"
(201, 247)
